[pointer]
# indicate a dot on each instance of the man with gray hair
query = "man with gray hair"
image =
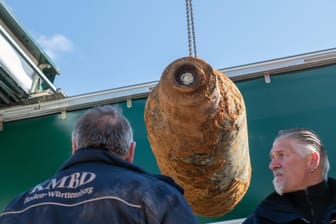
(303, 191)
(99, 183)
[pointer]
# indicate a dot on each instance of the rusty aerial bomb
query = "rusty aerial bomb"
(197, 128)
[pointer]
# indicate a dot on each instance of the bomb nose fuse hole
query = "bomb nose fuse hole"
(186, 75)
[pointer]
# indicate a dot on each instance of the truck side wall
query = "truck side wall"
(33, 149)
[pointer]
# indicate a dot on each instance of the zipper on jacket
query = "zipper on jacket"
(310, 204)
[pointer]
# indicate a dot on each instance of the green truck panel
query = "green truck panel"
(33, 148)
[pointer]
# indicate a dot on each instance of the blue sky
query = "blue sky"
(105, 44)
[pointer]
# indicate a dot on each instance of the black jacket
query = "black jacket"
(95, 186)
(316, 204)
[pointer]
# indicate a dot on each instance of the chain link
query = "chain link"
(191, 29)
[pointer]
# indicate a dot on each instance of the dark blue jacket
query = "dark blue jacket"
(316, 204)
(95, 186)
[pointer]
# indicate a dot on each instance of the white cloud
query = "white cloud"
(55, 45)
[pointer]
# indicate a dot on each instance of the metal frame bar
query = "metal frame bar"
(27, 59)
(76, 102)
(275, 66)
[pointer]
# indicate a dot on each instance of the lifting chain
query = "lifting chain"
(191, 29)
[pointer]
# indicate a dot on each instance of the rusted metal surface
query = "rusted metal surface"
(197, 128)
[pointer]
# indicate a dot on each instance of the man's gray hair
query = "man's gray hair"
(311, 142)
(103, 127)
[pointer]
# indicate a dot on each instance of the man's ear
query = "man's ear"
(74, 146)
(314, 161)
(131, 151)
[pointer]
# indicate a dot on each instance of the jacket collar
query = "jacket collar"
(288, 207)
